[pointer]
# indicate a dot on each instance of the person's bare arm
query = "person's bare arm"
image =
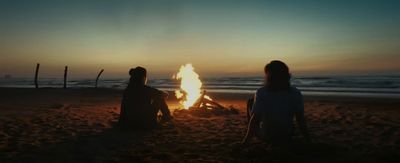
(301, 121)
(255, 116)
(251, 128)
(166, 114)
(164, 95)
(160, 98)
(160, 103)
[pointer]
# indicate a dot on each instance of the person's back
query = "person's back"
(274, 107)
(141, 104)
(136, 106)
(277, 109)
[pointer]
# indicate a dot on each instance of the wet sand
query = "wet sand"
(76, 125)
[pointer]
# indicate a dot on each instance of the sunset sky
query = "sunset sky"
(227, 38)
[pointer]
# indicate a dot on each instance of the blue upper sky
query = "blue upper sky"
(218, 37)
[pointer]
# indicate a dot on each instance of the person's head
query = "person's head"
(138, 76)
(277, 76)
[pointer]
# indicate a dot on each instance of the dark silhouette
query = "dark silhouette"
(141, 103)
(271, 112)
(65, 77)
(36, 75)
(97, 78)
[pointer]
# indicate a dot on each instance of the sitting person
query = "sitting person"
(271, 112)
(140, 103)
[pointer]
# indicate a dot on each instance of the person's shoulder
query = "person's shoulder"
(128, 89)
(155, 91)
(151, 89)
(295, 91)
(262, 91)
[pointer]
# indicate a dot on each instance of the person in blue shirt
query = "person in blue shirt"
(274, 107)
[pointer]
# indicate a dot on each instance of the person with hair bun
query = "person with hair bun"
(141, 103)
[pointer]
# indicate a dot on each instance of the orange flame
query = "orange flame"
(190, 88)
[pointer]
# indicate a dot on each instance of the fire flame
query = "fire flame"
(190, 88)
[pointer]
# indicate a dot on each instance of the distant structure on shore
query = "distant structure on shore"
(7, 76)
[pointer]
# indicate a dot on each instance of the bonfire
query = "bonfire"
(191, 95)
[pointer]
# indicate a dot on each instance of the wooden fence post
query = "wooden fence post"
(65, 76)
(36, 75)
(97, 79)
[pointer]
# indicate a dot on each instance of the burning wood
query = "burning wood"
(206, 103)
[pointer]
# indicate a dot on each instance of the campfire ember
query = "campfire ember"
(191, 95)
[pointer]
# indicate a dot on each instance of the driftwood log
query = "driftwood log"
(97, 78)
(65, 77)
(36, 75)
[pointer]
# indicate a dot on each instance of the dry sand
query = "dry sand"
(76, 125)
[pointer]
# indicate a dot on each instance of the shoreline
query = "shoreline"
(379, 86)
(234, 95)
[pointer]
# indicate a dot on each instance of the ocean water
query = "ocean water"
(386, 86)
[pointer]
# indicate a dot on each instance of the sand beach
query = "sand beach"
(77, 125)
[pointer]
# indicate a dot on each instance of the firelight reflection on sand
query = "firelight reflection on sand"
(190, 88)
